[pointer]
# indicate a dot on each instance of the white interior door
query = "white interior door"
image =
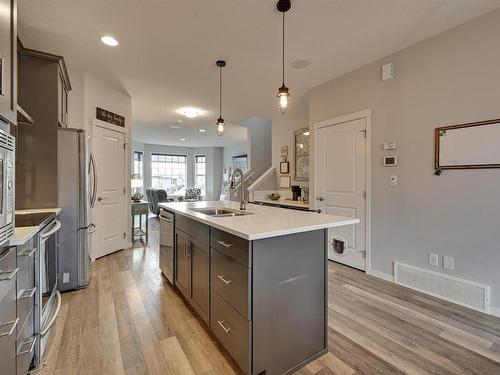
(340, 171)
(109, 212)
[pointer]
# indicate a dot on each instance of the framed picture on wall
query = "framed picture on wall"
(240, 161)
(301, 146)
(285, 167)
(285, 182)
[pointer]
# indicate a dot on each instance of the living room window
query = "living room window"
(169, 172)
(138, 167)
(200, 173)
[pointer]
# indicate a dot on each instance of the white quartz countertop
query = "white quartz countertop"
(23, 234)
(264, 222)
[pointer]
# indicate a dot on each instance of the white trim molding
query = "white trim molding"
(367, 115)
(380, 275)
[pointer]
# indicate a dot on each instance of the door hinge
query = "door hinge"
(124, 190)
(124, 146)
(364, 133)
(363, 253)
(364, 193)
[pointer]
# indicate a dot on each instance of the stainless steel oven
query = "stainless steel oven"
(49, 298)
(7, 177)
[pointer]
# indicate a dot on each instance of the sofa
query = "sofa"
(156, 196)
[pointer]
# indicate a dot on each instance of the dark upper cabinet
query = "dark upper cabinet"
(43, 83)
(8, 62)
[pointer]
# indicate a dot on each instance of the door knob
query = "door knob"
(320, 199)
(101, 198)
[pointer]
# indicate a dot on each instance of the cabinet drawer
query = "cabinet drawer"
(232, 281)
(234, 247)
(25, 346)
(192, 227)
(232, 330)
(25, 293)
(8, 270)
(25, 254)
(8, 325)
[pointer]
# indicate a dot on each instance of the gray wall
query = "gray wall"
(260, 144)
(449, 79)
(214, 164)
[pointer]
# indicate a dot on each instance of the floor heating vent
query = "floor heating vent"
(453, 289)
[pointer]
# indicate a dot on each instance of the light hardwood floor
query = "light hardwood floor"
(131, 321)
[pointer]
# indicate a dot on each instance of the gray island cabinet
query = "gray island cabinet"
(264, 299)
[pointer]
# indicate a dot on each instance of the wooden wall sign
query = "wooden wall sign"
(110, 117)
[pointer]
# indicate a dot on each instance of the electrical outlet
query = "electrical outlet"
(434, 259)
(66, 277)
(393, 180)
(448, 262)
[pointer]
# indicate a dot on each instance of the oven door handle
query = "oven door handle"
(53, 318)
(54, 229)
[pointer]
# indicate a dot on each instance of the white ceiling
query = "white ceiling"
(168, 48)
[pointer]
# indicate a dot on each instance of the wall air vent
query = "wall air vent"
(449, 288)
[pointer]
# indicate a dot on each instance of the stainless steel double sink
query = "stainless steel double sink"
(220, 212)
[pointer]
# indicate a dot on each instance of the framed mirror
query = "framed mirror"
(301, 147)
(467, 146)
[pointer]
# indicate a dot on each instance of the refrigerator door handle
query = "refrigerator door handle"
(93, 169)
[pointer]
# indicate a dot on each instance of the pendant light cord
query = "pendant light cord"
(220, 91)
(283, 49)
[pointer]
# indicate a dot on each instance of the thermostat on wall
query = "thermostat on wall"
(390, 161)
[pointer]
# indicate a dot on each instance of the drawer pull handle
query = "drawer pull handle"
(27, 293)
(12, 328)
(8, 275)
(225, 244)
(31, 344)
(223, 323)
(224, 280)
(28, 253)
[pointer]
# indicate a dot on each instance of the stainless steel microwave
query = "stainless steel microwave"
(7, 177)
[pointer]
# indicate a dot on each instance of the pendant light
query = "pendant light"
(220, 121)
(283, 92)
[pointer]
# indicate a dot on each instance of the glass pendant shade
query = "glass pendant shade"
(220, 127)
(283, 95)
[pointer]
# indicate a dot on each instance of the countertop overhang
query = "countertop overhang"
(264, 222)
(24, 234)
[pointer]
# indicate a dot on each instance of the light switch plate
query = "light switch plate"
(434, 259)
(448, 262)
(393, 180)
(65, 277)
(387, 71)
(390, 145)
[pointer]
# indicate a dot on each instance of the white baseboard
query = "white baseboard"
(495, 311)
(380, 275)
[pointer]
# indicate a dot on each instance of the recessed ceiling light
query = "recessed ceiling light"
(306, 133)
(202, 130)
(109, 40)
(190, 112)
(183, 139)
(300, 64)
(175, 126)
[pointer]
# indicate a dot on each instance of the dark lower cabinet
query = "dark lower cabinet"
(264, 300)
(200, 255)
(192, 258)
(183, 264)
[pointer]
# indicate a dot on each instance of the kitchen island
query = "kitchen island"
(257, 278)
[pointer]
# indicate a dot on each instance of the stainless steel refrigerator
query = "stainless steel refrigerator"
(74, 175)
